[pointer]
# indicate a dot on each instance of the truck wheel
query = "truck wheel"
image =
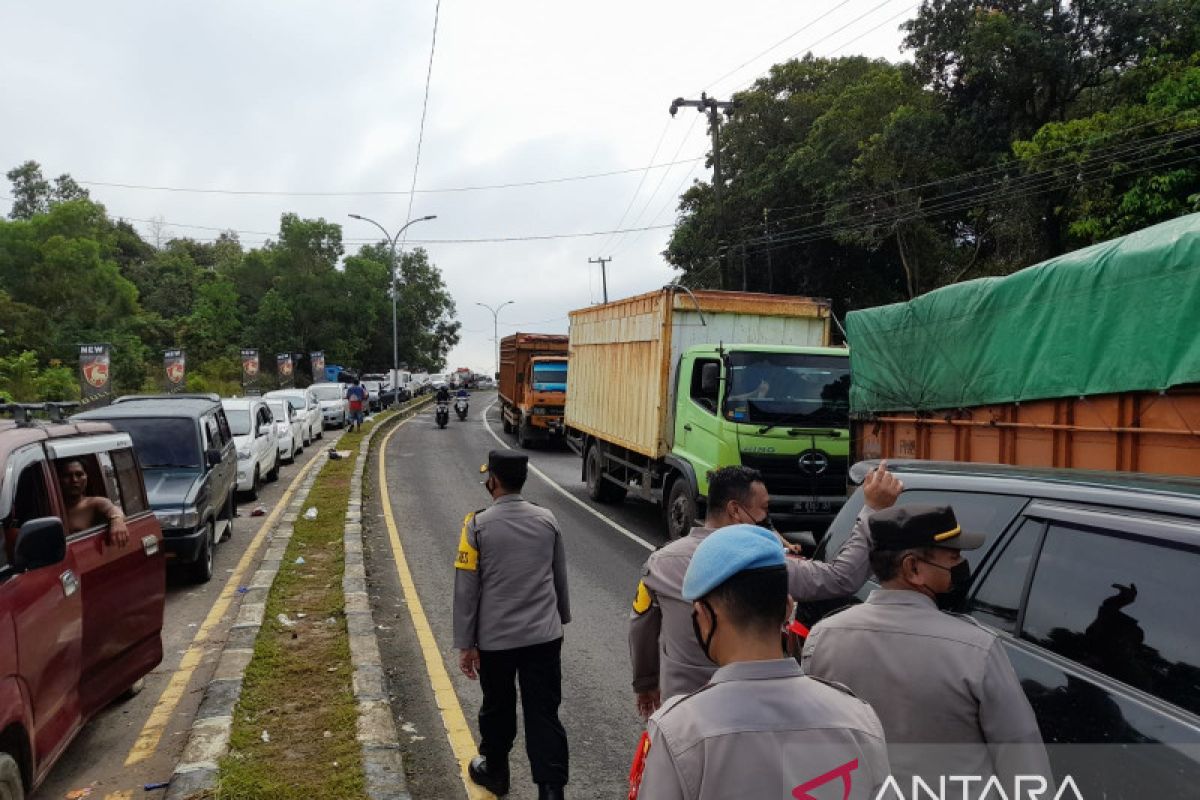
(508, 428)
(202, 570)
(523, 440)
(600, 490)
(681, 509)
(11, 786)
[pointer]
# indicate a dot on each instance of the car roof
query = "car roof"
(241, 402)
(189, 407)
(14, 435)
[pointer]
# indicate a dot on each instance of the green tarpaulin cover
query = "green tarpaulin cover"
(1119, 316)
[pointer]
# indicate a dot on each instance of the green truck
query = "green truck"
(666, 386)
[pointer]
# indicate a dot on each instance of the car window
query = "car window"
(212, 434)
(223, 426)
(997, 599)
(31, 500)
(706, 400)
(95, 486)
(239, 420)
(163, 442)
(133, 498)
(1121, 606)
(109, 474)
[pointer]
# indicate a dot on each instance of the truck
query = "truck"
(666, 386)
(533, 385)
(1090, 360)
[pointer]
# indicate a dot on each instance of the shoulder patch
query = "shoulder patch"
(468, 556)
(642, 600)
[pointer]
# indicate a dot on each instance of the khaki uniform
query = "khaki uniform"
(510, 578)
(934, 679)
(761, 729)
(662, 648)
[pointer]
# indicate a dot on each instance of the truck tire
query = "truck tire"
(11, 785)
(680, 509)
(523, 440)
(202, 570)
(508, 428)
(599, 489)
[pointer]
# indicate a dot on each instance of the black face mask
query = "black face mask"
(766, 522)
(960, 580)
(700, 640)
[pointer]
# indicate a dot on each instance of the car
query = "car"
(374, 394)
(1086, 578)
(188, 456)
(253, 429)
(332, 398)
(81, 618)
(289, 429)
(307, 407)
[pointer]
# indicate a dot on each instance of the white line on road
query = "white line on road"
(554, 485)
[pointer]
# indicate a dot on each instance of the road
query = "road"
(117, 753)
(433, 481)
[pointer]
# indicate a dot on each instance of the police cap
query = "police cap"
(913, 526)
(728, 551)
(509, 468)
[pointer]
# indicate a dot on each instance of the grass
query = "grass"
(297, 688)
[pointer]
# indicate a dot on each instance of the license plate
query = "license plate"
(813, 507)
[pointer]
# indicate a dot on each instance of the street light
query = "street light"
(392, 244)
(496, 328)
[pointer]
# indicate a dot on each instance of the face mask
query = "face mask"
(765, 522)
(960, 580)
(700, 640)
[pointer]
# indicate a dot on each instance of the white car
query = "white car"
(374, 395)
(307, 408)
(253, 429)
(289, 429)
(334, 409)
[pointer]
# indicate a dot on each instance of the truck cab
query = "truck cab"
(781, 410)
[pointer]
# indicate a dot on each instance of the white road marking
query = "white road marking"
(628, 534)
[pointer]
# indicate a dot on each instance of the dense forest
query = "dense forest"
(70, 274)
(1020, 130)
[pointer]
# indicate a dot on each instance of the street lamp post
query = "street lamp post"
(391, 240)
(496, 328)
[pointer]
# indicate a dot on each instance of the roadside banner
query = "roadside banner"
(318, 366)
(95, 369)
(175, 370)
(249, 368)
(285, 369)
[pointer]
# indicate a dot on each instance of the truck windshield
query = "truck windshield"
(163, 443)
(550, 376)
(788, 388)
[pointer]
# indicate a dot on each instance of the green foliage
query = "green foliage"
(21, 380)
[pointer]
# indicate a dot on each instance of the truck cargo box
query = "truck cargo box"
(624, 354)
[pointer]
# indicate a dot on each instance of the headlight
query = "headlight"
(244, 453)
(186, 518)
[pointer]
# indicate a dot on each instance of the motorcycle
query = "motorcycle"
(460, 407)
(442, 414)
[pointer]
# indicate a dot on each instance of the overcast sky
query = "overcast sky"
(326, 97)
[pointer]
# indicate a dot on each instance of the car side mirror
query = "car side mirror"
(213, 457)
(40, 543)
(710, 378)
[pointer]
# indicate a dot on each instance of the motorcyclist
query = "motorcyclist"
(462, 392)
(443, 394)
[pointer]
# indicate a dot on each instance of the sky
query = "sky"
(315, 108)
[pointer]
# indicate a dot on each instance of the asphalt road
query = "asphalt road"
(434, 480)
(97, 758)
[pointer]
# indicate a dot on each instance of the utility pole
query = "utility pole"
(603, 273)
(708, 104)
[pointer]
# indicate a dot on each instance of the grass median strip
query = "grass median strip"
(295, 725)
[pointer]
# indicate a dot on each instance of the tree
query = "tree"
(33, 194)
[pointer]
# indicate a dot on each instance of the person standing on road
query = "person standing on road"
(664, 654)
(357, 396)
(940, 682)
(510, 605)
(759, 728)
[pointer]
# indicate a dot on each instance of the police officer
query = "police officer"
(665, 657)
(510, 605)
(934, 678)
(759, 728)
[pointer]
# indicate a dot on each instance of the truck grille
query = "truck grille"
(783, 474)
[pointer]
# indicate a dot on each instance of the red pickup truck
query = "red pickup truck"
(80, 614)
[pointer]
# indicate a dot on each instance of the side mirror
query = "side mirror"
(40, 543)
(213, 457)
(710, 378)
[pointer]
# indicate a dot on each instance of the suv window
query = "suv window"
(133, 499)
(223, 426)
(31, 500)
(163, 442)
(998, 599)
(1119, 605)
(706, 400)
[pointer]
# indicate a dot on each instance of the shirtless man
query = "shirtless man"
(84, 511)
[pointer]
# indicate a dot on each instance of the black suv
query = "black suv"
(189, 461)
(1090, 580)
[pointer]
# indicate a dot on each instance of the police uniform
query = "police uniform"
(662, 650)
(511, 602)
(933, 678)
(759, 729)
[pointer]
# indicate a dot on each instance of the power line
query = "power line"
(641, 181)
(412, 193)
(868, 32)
(621, 245)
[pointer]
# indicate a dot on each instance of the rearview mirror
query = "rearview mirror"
(710, 378)
(40, 543)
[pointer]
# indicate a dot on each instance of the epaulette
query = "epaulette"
(841, 687)
(676, 702)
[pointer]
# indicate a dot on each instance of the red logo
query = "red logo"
(96, 374)
(285, 367)
(175, 372)
(801, 792)
(250, 366)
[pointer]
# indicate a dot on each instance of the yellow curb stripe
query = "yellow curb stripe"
(462, 742)
(151, 734)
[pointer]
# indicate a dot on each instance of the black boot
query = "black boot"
(550, 791)
(494, 778)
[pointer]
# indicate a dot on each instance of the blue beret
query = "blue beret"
(728, 551)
